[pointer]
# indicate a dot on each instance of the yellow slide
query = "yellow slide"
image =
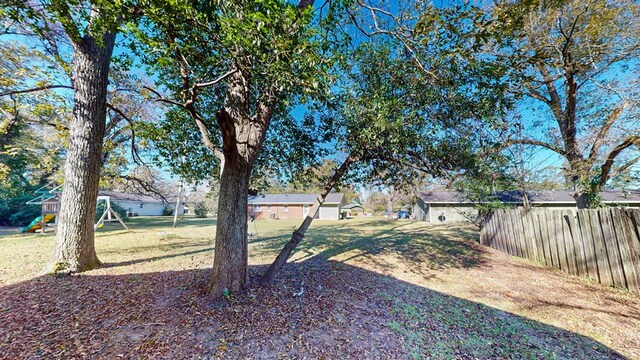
(36, 224)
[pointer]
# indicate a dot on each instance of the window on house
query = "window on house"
(256, 208)
(285, 208)
(141, 205)
(268, 208)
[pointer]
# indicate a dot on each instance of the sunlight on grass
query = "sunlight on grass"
(444, 259)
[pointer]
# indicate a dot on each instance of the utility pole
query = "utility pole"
(175, 212)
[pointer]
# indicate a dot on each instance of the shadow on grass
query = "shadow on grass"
(166, 222)
(344, 311)
(419, 249)
(155, 258)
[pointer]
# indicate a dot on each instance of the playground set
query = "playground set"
(49, 199)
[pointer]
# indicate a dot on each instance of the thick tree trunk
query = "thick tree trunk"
(298, 235)
(75, 251)
(231, 247)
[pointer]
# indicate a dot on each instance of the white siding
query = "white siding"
(329, 212)
(147, 209)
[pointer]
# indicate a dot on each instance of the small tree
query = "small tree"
(393, 120)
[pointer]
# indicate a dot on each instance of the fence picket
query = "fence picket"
(515, 230)
(604, 269)
(630, 250)
(611, 229)
(578, 247)
(559, 237)
(589, 247)
(544, 228)
(530, 238)
(568, 244)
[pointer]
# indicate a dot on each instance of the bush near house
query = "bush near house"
(200, 209)
(168, 211)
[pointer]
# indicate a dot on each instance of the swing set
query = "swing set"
(49, 199)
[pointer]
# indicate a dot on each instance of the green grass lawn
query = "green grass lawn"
(370, 287)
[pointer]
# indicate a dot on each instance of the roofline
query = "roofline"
(155, 201)
(532, 202)
(290, 202)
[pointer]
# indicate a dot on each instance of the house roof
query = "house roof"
(534, 196)
(333, 198)
(352, 206)
(118, 196)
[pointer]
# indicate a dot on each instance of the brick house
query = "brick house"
(294, 206)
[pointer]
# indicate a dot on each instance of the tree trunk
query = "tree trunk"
(582, 201)
(298, 235)
(231, 247)
(75, 250)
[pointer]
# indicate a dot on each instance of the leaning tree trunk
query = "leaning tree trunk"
(298, 235)
(75, 250)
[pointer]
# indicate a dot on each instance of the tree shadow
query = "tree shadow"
(317, 308)
(418, 249)
(156, 258)
(145, 222)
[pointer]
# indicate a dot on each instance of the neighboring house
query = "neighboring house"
(452, 207)
(141, 205)
(294, 206)
(353, 210)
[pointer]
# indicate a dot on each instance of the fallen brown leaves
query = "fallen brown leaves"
(344, 312)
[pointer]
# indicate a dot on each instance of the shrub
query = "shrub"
(167, 211)
(15, 211)
(200, 209)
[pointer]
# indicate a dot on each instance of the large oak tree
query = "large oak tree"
(229, 69)
(579, 61)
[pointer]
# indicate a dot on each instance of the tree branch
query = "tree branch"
(146, 186)
(625, 167)
(608, 164)
(40, 88)
(216, 81)
(536, 143)
(604, 130)
(202, 127)
(134, 151)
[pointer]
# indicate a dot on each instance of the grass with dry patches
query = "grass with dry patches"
(371, 287)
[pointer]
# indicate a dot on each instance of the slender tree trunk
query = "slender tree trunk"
(75, 251)
(389, 208)
(231, 247)
(298, 235)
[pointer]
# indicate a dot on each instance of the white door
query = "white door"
(305, 210)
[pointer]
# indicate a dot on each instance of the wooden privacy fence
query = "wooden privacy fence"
(602, 244)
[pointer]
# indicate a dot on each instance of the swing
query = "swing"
(108, 212)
